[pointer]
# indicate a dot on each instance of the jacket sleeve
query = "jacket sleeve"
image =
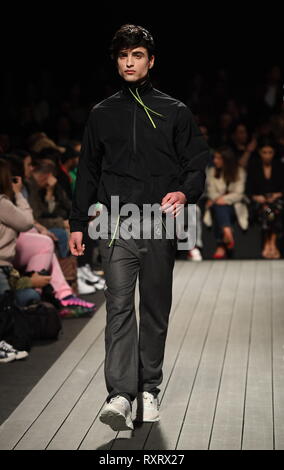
(17, 216)
(193, 154)
(88, 176)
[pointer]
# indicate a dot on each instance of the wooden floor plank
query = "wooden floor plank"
(277, 269)
(228, 421)
(258, 417)
(202, 396)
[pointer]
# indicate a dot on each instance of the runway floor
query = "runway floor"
(223, 385)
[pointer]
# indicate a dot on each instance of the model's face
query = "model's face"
(134, 64)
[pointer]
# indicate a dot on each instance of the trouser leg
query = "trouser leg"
(155, 287)
(223, 216)
(121, 335)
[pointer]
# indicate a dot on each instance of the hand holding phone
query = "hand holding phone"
(17, 184)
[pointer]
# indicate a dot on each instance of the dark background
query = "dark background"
(54, 50)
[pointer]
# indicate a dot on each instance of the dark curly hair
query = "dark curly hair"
(131, 36)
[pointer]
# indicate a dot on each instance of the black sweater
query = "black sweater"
(257, 184)
(124, 155)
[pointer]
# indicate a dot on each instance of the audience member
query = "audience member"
(265, 187)
(225, 204)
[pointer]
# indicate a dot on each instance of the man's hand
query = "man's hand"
(172, 203)
(75, 243)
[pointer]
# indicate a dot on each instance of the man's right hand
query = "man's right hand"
(75, 243)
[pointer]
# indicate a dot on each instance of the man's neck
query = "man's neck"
(143, 85)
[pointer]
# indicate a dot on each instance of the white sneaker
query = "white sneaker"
(83, 287)
(6, 356)
(194, 254)
(147, 407)
(10, 352)
(86, 273)
(117, 414)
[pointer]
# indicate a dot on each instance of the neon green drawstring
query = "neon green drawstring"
(146, 108)
(115, 230)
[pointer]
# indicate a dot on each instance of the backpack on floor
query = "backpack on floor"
(43, 319)
(13, 325)
(21, 326)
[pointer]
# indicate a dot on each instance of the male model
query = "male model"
(144, 147)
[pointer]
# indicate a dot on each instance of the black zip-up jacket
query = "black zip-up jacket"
(139, 154)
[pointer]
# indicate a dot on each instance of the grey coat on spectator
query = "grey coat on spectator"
(14, 218)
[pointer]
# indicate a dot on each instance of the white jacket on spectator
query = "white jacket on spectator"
(234, 194)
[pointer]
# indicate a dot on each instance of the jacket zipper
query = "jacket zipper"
(134, 128)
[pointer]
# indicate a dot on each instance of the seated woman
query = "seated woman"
(225, 190)
(15, 216)
(265, 188)
(30, 250)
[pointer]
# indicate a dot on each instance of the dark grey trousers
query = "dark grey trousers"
(134, 364)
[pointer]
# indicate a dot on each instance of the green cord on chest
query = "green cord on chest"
(146, 108)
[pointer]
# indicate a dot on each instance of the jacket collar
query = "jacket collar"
(144, 86)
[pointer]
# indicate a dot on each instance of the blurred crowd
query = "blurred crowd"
(40, 143)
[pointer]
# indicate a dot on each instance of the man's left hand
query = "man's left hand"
(172, 203)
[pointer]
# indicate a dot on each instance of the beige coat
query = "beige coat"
(14, 218)
(216, 187)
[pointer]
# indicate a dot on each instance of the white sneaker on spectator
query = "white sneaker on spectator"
(147, 407)
(86, 273)
(7, 357)
(194, 254)
(83, 287)
(100, 285)
(117, 414)
(10, 350)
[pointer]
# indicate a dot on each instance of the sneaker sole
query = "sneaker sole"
(147, 420)
(115, 420)
(8, 359)
(21, 355)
